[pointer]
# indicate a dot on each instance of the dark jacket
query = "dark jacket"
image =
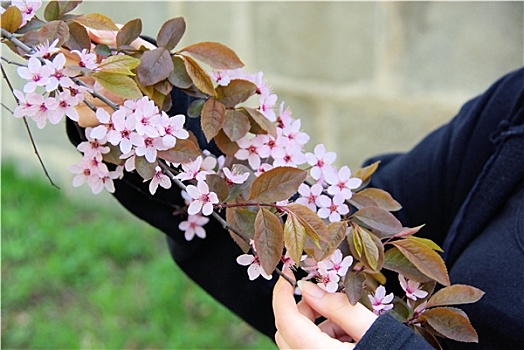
(464, 181)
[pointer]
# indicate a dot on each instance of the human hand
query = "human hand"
(296, 328)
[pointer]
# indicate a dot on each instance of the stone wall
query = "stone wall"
(364, 77)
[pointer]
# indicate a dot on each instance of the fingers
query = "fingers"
(353, 320)
(297, 330)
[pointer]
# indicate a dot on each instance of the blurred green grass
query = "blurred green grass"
(80, 276)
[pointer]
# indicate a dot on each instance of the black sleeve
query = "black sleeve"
(387, 333)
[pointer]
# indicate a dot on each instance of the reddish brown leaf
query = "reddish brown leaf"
(54, 30)
(242, 220)
(11, 19)
(455, 295)
(171, 32)
(183, 152)
(383, 199)
(316, 229)
(425, 259)
(354, 286)
(269, 239)
(294, 237)
(213, 118)
(277, 184)
(366, 247)
(394, 260)
(78, 37)
(336, 234)
(236, 124)
(262, 122)
(237, 91)
(218, 185)
(155, 65)
(145, 169)
(179, 76)
(451, 323)
(129, 32)
(225, 145)
(199, 76)
(360, 201)
(96, 21)
(379, 220)
(365, 173)
(215, 54)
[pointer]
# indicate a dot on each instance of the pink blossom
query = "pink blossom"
(331, 208)
(44, 108)
(66, 106)
(159, 179)
(35, 73)
(250, 149)
(28, 9)
(87, 59)
(319, 160)
(172, 128)
(338, 263)
(203, 199)
(290, 157)
(93, 147)
(147, 146)
(45, 50)
(284, 117)
(58, 74)
(267, 103)
(255, 269)
(122, 129)
(293, 135)
(380, 301)
(147, 117)
(263, 168)
(341, 183)
(235, 177)
(192, 170)
(221, 77)
(412, 288)
(194, 226)
(327, 279)
(309, 195)
(106, 124)
(24, 106)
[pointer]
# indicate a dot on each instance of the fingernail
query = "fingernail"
(310, 289)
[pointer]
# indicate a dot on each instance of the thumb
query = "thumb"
(354, 320)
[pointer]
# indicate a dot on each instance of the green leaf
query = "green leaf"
(118, 84)
(425, 259)
(129, 32)
(382, 198)
(354, 286)
(427, 242)
(183, 152)
(455, 295)
(451, 323)
(96, 21)
(11, 19)
(145, 169)
(179, 76)
(260, 120)
(213, 118)
(237, 91)
(53, 30)
(294, 237)
(155, 65)
(218, 185)
(78, 37)
(215, 54)
(120, 64)
(269, 239)
(199, 76)
(236, 125)
(52, 11)
(67, 6)
(195, 108)
(277, 184)
(394, 260)
(380, 220)
(170, 33)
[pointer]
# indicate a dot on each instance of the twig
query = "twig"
(35, 149)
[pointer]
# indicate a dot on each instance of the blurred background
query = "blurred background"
(364, 78)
